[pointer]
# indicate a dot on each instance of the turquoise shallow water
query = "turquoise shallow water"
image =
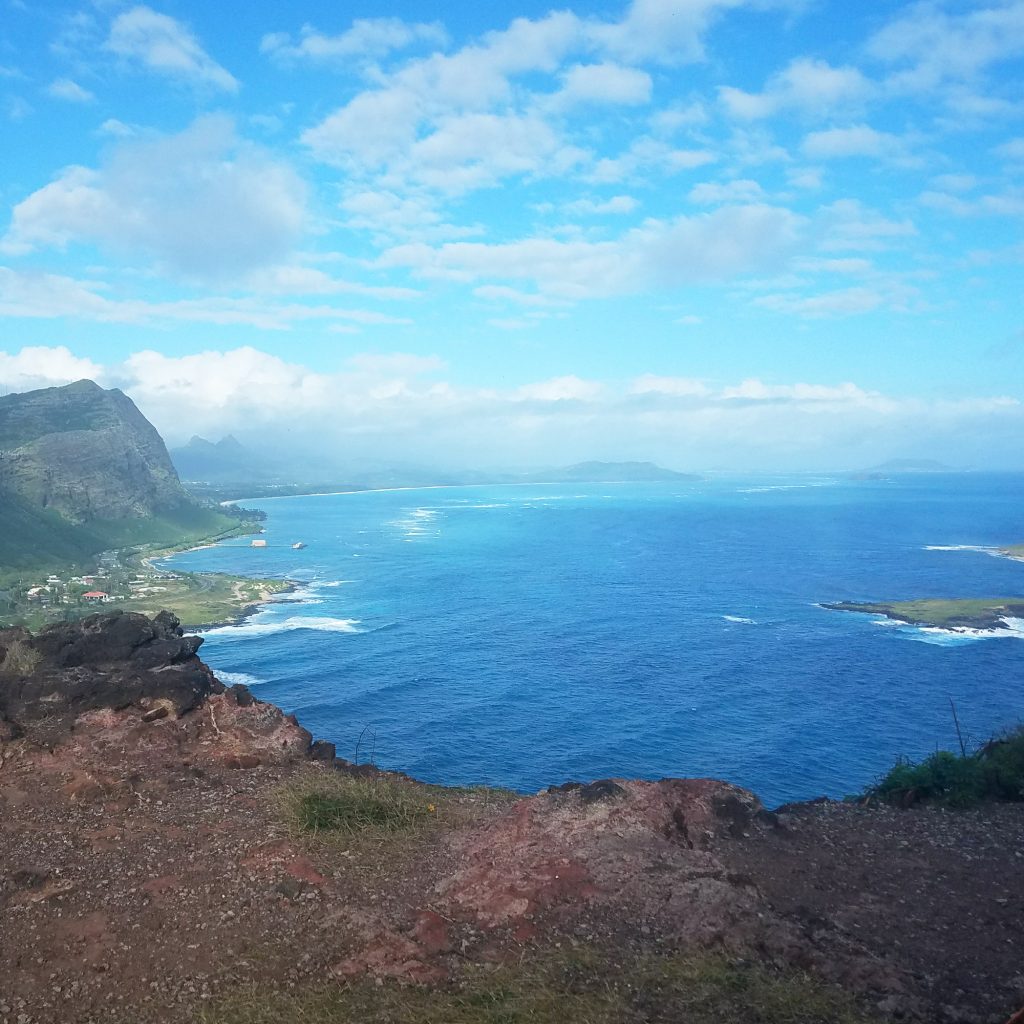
(527, 635)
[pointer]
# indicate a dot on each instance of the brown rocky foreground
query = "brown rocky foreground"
(149, 867)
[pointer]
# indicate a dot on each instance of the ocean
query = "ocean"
(528, 635)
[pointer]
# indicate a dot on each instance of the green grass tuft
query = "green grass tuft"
(354, 806)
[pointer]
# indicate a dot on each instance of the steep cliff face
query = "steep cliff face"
(81, 471)
(85, 453)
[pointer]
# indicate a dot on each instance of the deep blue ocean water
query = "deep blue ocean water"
(529, 635)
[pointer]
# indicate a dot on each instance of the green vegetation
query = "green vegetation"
(971, 613)
(36, 539)
(993, 772)
(372, 807)
(1014, 551)
(204, 599)
(552, 987)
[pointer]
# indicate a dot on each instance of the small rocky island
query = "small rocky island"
(941, 613)
(175, 850)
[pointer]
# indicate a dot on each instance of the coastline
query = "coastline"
(206, 589)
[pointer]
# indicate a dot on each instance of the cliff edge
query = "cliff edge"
(175, 850)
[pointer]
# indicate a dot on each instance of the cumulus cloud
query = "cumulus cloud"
(367, 38)
(708, 247)
(853, 141)
(159, 43)
(66, 89)
(202, 204)
(41, 367)
(393, 405)
(603, 83)
(806, 85)
(741, 190)
(931, 43)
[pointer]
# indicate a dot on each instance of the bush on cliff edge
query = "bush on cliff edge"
(994, 772)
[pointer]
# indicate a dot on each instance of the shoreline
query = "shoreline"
(452, 487)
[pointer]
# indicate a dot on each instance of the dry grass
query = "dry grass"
(585, 987)
(20, 659)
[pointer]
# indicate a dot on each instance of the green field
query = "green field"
(205, 599)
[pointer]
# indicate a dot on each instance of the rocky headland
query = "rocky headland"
(153, 867)
(986, 614)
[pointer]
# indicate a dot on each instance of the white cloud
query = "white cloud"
(742, 190)
(392, 216)
(393, 405)
(846, 302)
(476, 150)
(40, 367)
(726, 243)
(1012, 150)
(669, 31)
(203, 204)
(929, 45)
(849, 224)
(66, 89)
(806, 85)
(1005, 204)
(599, 207)
(648, 154)
(853, 141)
(367, 38)
(163, 45)
(603, 84)
(38, 295)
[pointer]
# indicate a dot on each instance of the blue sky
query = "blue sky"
(755, 233)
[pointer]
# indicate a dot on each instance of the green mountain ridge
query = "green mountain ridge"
(83, 471)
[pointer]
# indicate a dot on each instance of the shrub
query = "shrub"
(993, 772)
(20, 659)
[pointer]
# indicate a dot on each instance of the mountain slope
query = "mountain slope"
(82, 471)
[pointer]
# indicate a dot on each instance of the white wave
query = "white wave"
(740, 618)
(946, 636)
(256, 628)
(333, 583)
(238, 678)
(986, 548)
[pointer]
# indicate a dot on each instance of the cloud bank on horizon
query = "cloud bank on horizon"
(745, 232)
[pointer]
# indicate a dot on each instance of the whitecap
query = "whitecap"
(949, 635)
(986, 548)
(255, 628)
(238, 679)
